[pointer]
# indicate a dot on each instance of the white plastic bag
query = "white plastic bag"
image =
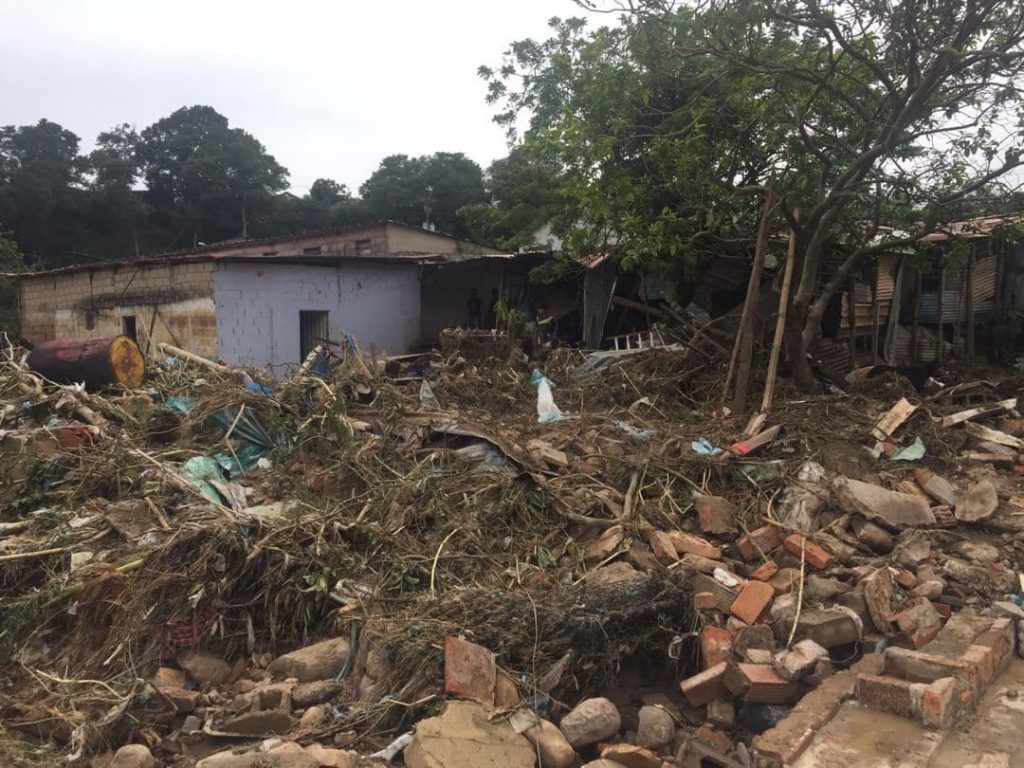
(547, 411)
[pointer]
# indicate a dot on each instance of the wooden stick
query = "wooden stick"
(800, 593)
(942, 300)
(30, 555)
(970, 306)
(915, 351)
(851, 322)
(780, 323)
(875, 317)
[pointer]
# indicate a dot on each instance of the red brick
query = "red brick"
(767, 537)
(818, 558)
(785, 581)
(939, 703)
(753, 599)
(906, 579)
(715, 646)
(798, 747)
(714, 739)
(766, 571)
(760, 684)
(706, 686)
(469, 670)
(662, 546)
(945, 611)
(717, 515)
(704, 601)
(631, 756)
(686, 543)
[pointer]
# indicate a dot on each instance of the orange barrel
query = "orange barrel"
(96, 362)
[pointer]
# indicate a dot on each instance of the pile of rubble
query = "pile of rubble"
(435, 565)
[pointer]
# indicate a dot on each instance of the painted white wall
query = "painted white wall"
(258, 308)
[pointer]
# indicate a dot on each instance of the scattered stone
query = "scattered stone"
(318, 661)
(602, 763)
(978, 551)
(914, 549)
(828, 628)
(463, 735)
(469, 670)
(784, 608)
(1004, 609)
(785, 581)
(931, 589)
(800, 660)
(877, 539)
(819, 589)
(896, 510)
(655, 727)
(591, 721)
(312, 717)
(756, 636)
(688, 544)
(760, 684)
(715, 645)
(334, 758)
(919, 621)
(553, 749)
(307, 694)
(133, 756)
(701, 564)
(880, 594)
(662, 546)
(613, 573)
(205, 668)
(631, 756)
(721, 713)
(979, 503)
(758, 656)
(258, 723)
(714, 738)
(191, 724)
(284, 759)
(936, 486)
(717, 515)
(759, 542)
(167, 677)
(506, 693)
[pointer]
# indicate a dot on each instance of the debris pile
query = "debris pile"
(423, 566)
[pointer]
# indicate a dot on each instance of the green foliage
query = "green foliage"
(11, 260)
(434, 187)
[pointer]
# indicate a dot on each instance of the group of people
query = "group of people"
(545, 326)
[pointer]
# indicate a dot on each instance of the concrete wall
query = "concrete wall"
(258, 308)
(174, 300)
(446, 291)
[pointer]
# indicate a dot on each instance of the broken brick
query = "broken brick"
(765, 539)
(717, 515)
(630, 756)
(906, 579)
(817, 556)
(785, 581)
(760, 684)
(705, 686)
(751, 602)
(714, 739)
(662, 546)
(704, 601)
(766, 571)
(687, 543)
(469, 670)
(715, 646)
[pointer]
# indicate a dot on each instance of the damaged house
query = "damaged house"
(268, 302)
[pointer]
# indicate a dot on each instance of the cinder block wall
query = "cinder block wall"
(171, 303)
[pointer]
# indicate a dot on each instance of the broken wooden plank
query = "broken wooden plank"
(999, 459)
(757, 441)
(892, 421)
(755, 424)
(993, 435)
(981, 410)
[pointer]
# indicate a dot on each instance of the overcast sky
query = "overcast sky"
(329, 87)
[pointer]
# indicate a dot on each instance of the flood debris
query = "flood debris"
(426, 565)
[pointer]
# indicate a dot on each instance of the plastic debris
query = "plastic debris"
(427, 396)
(913, 452)
(704, 447)
(547, 411)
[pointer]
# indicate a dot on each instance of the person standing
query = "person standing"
(474, 309)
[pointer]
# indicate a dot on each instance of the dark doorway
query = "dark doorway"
(313, 329)
(128, 326)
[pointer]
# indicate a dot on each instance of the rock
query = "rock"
(506, 693)
(133, 756)
(880, 594)
(307, 694)
(758, 656)
(312, 717)
(717, 515)
(799, 661)
(604, 545)
(553, 748)
(932, 589)
(700, 563)
(333, 758)
(602, 763)
(978, 552)
(463, 735)
(896, 510)
(166, 677)
(205, 668)
(784, 608)
(1004, 609)
(919, 621)
(757, 636)
(655, 727)
(828, 628)
(822, 590)
(286, 759)
(936, 486)
(631, 756)
(915, 548)
(613, 573)
(319, 661)
(722, 713)
(979, 503)
(258, 723)
(469, 670)
(591, 721)
(877, 539)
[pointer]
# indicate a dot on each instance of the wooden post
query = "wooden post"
(743, 348)
(851, 321)
(941, 352)
(780, 324)
(96, 362)
(915, 323)
(970, 305)
(875, 319)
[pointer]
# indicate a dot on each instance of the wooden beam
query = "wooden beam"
(780, 325)
(876, 310)
(915, 351)
(993, 435)
(889, 423)
(970, 306)
(973, 413)
(851, 314)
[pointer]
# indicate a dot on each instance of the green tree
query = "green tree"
(41, 176)
(675, 129)
(433, 188)
(525, 195)
(207, 179)
(11, 260)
